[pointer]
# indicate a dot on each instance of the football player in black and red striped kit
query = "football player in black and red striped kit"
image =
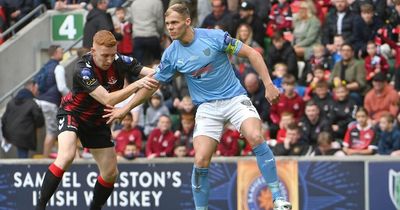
(97, 82)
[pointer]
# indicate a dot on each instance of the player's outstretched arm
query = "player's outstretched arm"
(106, 98)
(257, 61)
(118, 113)
(146, 71)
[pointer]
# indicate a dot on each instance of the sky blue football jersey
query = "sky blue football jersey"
(205, 64)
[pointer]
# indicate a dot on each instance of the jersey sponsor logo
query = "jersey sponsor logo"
(88, 65)
(207, 52)
(193, 57)
(112, 80)
(87, 77)
(61, 123)
(246, 102)
(202, 70)
(126, 59)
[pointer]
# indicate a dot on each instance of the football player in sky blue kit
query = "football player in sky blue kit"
(201, 56)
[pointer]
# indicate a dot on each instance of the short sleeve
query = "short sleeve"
(85, 78)
(165, 71)
(130, 65)
(226, 43)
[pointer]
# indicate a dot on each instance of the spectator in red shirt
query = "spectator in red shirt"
(290, 101)
(360, 136)
(127, 134)
(124, 27)
(374, 63)
(229, 145)
(286, 119)
(161, 140)
(280, 18)
(381, 98)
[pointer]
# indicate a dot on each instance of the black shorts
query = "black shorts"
(90, 136)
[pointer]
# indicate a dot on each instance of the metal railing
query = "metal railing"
(21, 84)
(41, 9)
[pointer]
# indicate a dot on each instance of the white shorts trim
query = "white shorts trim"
(212, 116)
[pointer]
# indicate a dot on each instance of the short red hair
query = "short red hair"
(104, 38)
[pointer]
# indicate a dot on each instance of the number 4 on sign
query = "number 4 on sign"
(67, 28)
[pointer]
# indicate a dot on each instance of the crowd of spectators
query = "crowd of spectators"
(336, 63)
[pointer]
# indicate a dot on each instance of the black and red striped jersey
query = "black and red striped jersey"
(87, 77)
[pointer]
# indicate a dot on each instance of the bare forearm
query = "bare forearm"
(140, 97)
(258, 63)
(361, 152)
(120, 95)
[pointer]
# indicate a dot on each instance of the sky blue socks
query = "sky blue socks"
(200, 187)
(266, 164)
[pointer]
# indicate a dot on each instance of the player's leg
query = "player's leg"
(251, 129)
(66, 152)
(243, 115)
(207, 132)
(106, 160)
(204, 147)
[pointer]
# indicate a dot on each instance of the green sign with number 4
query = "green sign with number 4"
(67, 27)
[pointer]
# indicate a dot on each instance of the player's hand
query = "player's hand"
(114, 113)
(271, 93)
(148, 82)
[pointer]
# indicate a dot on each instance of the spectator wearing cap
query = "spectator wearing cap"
(248, 15)
(339, 22)
(381, 98)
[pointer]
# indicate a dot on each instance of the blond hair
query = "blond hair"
(180, 9)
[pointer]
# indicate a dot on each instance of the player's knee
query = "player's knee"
(65, 159)
(255, 139)
(115, 174)
(111, 174)
(201, 161)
